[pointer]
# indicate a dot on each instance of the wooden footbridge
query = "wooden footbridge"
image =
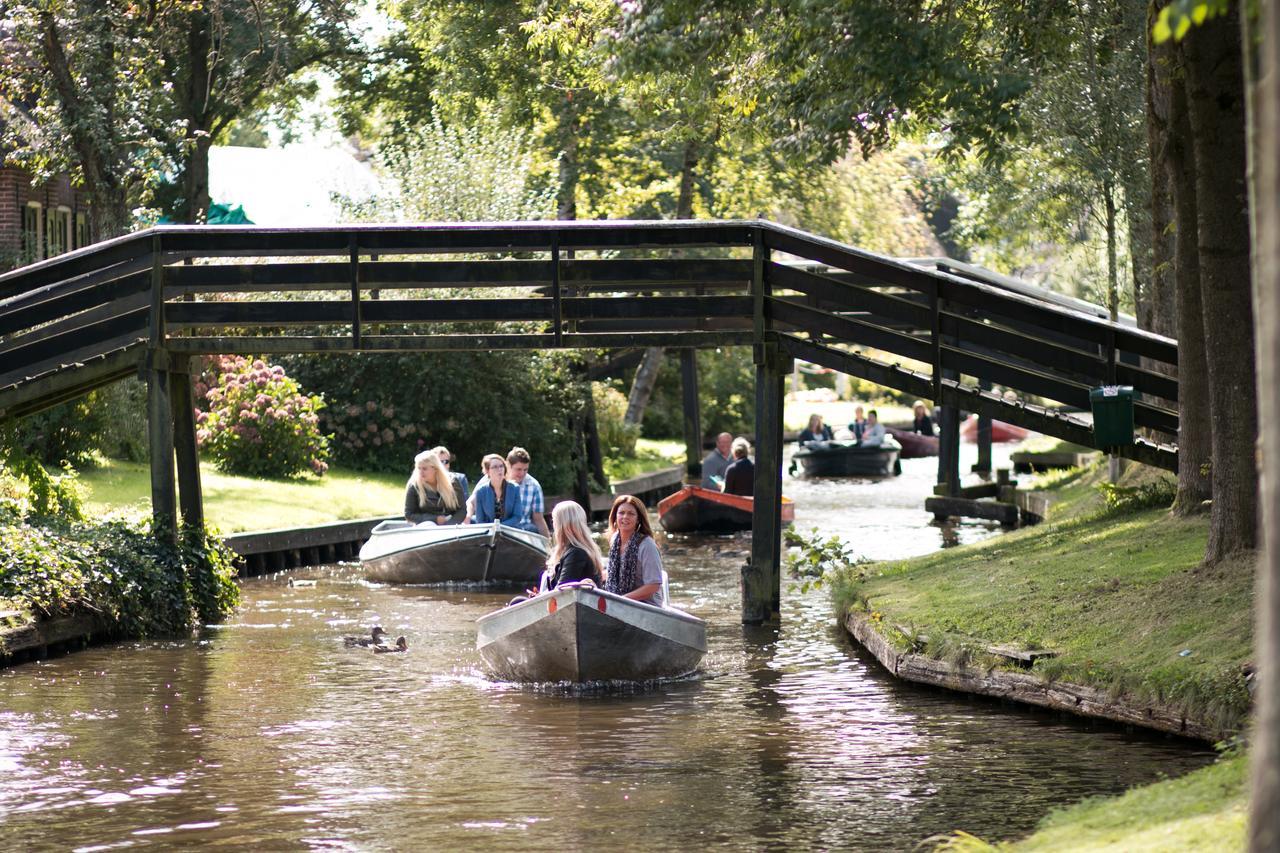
(146, 303)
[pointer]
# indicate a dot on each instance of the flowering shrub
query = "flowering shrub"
(258, 421)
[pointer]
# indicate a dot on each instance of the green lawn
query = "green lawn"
(651, 455)
(1203, 811)
(234, 504)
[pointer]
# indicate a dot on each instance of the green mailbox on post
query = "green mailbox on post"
(1112, 415)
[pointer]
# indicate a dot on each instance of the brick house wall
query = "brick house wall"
(39, 221)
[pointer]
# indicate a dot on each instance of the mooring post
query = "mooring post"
(762, 577)
(190, 492)
(983, 465)
(692, 419)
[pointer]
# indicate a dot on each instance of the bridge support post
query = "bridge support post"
(983, 465)
(762, 576)
(164, 497)
(190, 492)
(949, 449)
(692, 415)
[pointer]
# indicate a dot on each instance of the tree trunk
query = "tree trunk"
(194, 207)
(1264, 131)
(1113, 275)
(642, 385)
(1160, 303)
(647, 373)
(1216, 110)
(567, 190)
(1195, 431)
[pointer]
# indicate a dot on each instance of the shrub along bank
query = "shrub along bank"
(134, 584)
(1114, 588)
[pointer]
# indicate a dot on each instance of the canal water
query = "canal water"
(267, 733)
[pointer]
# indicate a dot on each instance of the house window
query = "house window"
(57, 230)
(82, 230)
(32, 232)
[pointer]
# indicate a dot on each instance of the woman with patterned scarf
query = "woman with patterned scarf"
(635, 566)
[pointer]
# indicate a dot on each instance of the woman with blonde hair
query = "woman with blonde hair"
(430, 494)
(635, 566)
(574, 556)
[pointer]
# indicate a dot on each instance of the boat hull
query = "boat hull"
(490, 553)
(1000, 431)
(914, 445)
(836, 459)
(568, 635)
(697, 510)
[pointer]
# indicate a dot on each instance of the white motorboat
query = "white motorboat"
(579, 633)
(401, 552)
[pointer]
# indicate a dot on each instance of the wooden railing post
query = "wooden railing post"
(356, 331)
(159, 407)
(557, 307)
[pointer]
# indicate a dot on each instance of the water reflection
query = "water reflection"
(270, 733)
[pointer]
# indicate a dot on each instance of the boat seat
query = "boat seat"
(388, 526)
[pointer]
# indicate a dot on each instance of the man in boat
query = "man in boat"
(859, 424)
(923, 424)
(526, 495)
(459, 479)
(713, 467)
(740, 476)
(873, 432)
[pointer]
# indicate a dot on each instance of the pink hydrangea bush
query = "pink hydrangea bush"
(253, 419)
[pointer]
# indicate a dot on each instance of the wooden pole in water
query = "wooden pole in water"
(190, 493)
(762, 577)
(692, 419)
(983, 466)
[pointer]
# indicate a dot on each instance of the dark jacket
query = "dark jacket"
(434, 507)
(574, 566)
(923, 425)
(740, 478)
(825, 434)
(858, 428)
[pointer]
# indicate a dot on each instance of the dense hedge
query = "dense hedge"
(726, 388)
(383, 408)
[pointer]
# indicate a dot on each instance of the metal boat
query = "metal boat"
(914, 445)
(579, 633)
(697, 510)
(402, 552)
(848, 459)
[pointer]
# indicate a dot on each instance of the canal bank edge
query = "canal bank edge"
(1025, 688)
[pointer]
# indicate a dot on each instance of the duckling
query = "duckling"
(374, 638)
(301, 583)
(402, 645)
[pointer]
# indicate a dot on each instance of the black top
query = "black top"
(825, 434)
(923, 425)
(740, 478)
(574, 566)
(857, 428)
(416, 511)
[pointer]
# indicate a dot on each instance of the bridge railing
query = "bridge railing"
(194, 290)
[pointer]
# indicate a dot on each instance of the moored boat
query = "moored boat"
(579, 633)
(697, 510)
(401, 552)
(847, 459)
(914, 445)
(1000, 431)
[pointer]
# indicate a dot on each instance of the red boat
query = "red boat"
(914, 444)
(697, 510)
(1000, 431)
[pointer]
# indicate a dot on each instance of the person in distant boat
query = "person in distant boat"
(859, 424)
(740, 477)
(815, 431)
(459, 479)
(635, 566)
(923, 424)
(489, 502)
(574, 556)
(715, 463)
(431, 495)
(525, 494)
(873, 433)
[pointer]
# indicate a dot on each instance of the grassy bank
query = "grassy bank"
(1118, 594)
(234, 504)
(1201, 811)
